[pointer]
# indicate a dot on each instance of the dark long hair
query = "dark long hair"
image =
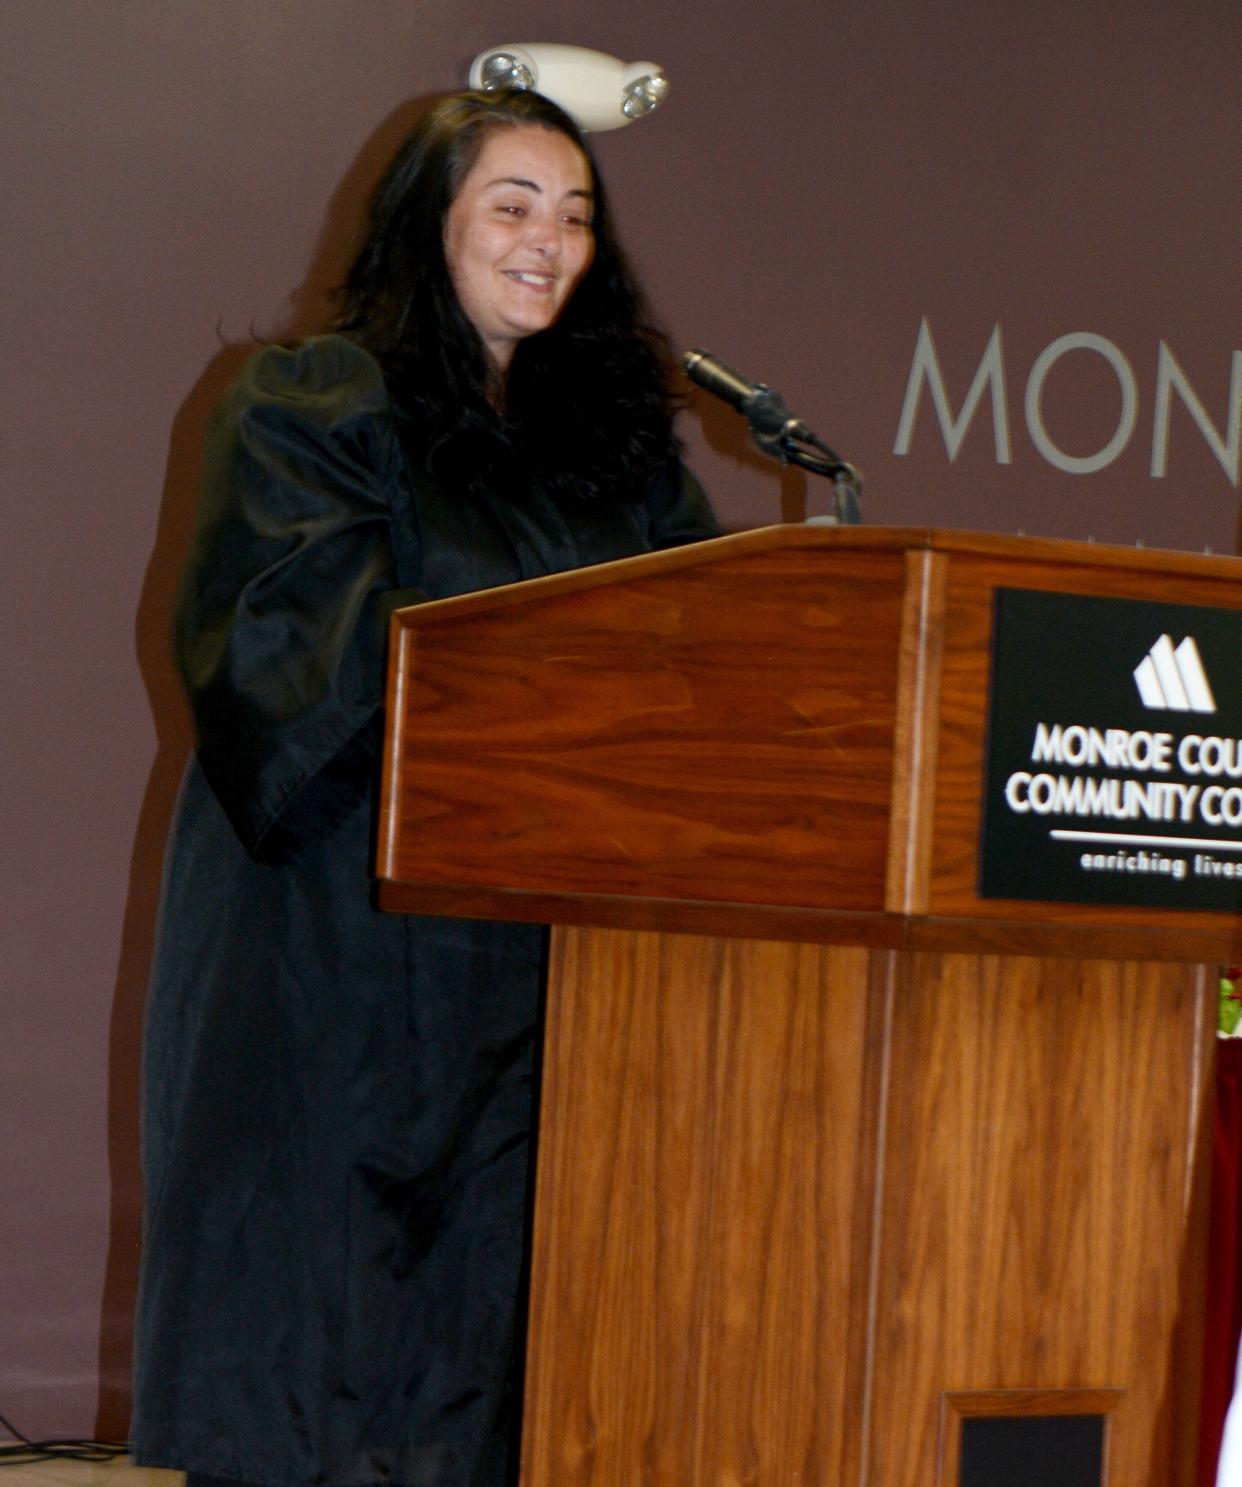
(588, 403)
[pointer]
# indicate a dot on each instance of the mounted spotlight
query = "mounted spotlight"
(497, 70)
(601, 92)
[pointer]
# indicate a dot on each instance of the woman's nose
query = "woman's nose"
(545, 236)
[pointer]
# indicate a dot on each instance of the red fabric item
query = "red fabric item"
(1224, 1296)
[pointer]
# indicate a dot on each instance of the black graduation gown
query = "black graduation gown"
(337, 1102)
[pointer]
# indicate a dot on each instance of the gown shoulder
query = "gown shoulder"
(304, 523)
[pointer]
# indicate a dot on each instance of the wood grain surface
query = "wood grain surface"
(792, 1196)
(699, 1237)
(685, 735)
(779, 733)
(862, 1141)
(1041, 1226)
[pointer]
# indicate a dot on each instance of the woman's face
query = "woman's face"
(517, 237)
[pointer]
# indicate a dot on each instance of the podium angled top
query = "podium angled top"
(777, 734)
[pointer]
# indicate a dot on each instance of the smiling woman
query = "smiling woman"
(338, 1102)
(517, 238)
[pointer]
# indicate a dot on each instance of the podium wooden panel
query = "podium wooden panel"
(833, 1154)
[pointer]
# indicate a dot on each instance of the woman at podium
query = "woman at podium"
(338, 1102)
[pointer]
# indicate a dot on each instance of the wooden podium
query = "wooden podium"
(838, 1161)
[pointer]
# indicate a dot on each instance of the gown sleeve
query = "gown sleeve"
(280, 629)
(678, 510)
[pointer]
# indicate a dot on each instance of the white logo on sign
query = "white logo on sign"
(1174, 680)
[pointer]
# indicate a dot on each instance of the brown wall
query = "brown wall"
(823, 180)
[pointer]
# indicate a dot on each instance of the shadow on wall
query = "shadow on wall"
(309, 309)
(174, 739)
(726, 434)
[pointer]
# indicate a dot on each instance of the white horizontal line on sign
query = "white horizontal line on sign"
(1219, 843)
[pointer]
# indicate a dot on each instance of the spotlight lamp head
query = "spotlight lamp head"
(498, 70)
(599, 91)
(646, 88)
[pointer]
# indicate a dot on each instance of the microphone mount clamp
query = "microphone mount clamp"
(777, 433)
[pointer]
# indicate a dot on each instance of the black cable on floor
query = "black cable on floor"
(26, 1452)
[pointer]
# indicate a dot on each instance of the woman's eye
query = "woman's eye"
(513, 210)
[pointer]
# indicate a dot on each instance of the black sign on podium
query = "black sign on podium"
(1114, 759)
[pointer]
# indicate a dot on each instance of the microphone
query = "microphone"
(703, 368)
(776, 431)
(764, 409)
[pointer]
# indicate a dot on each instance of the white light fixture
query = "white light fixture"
(599, 91)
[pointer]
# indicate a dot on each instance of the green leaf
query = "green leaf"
(1230, 1008)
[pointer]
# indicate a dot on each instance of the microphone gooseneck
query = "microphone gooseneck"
(775, 430)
